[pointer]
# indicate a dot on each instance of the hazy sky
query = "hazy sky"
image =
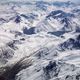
(76, 1)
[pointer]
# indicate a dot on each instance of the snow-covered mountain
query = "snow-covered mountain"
(39, 40)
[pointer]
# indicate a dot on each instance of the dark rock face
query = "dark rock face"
(73, 77)
(58, 33)
(3, 20)
(12, 44)
(66, 45)
(51, 70)
(71, 43)
(54, 69)
(50, 66)
(67, 24)
(22, 39)
(78, 29)
(54, 14)
(2, 78)
(11, 71)
(29, 31)
(68, 77)
(18, 19)
(63, 18)
(77, 42)
(78, 77)
(5, 54)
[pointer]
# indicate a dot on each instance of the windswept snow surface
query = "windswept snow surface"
(39, 40)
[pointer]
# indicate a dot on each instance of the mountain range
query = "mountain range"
(39, 40)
